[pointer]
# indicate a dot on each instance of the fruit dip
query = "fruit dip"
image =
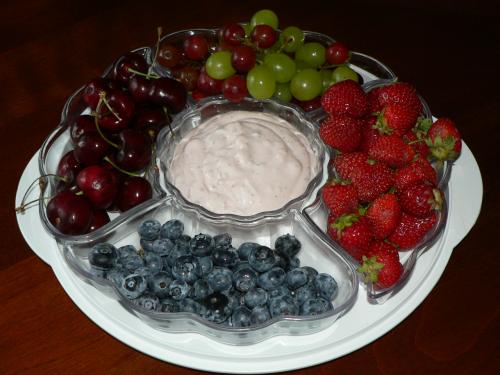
(243, 163)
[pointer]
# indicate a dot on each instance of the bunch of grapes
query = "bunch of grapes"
(257, 59)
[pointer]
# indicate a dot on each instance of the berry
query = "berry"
(391, 150)
(421, 200)
(444, 140)
(337, 53)
(353, 233)
(345, 97)
(384, 214)
(196, 47)
(261, 258)
(382, 265)
(172, 229)
(347, 164)
(264, 36)
(340, 198)
(399, 92)
(326, 285)
(411, 230)
(341, 132)
(418, 171)
(287, 245)
(396, 119)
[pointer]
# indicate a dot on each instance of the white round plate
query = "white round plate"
(363, 324)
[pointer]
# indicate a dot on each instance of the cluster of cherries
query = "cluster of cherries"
(112, 147)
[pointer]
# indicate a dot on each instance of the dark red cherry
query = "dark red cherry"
(98, 185)
(169, 92)
(68, 169)
(69, 213)
(123, 110)
(150, 120)
(134, 191)
(97, 85)
(135, 150)
(100, 218)
(209, 85)
(90, 149)
(81, 125)
(128, 64)
(139, 87)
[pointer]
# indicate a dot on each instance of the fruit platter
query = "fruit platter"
(247, 186)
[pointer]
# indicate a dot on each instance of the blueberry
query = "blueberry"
(168, 305)
(166, 267)
(240, 265)
(191, 306)
(236, 298)
(294, 263)
(178, 289)
(177, 252)
(183, 241)
(220, 279)
(241, 317)
(126, 251)
(305, 293)
(296, 278)
(282, 260)
(159, 283)
(255, 297)
(245, 248)
(131, 262)
(162, 247)
(147, 301)
(311, 273)
(116, 275)
(153, 262)
(326, 286)
(287, 245)
(244, 279)
(225, 257)
(206, 265)
(202, 245)
(280, 291)
(144, 272)
(103, 256)
(223, 240)
(146, 245)
(186, 268)
(172, 229)
(149, 229)
(133, 286)
(200, 289)
(271, 279)
(216, 307)
(284, 305)
(259, 315)
(261, 259)
(315, 306)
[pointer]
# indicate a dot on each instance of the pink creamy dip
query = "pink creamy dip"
(243, 163)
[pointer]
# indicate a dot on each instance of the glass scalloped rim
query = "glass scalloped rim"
(408, 258)
(367, 67)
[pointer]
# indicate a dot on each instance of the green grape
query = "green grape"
(266, 17)
(219, 65)
(313, 53)
(343, 72)
(282, 66)
(306, 84)
(282, 92)
(326, 79)
(261, 82)
(248, 29)
(300, 65)
(291, 38)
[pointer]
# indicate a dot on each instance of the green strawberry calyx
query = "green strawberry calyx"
(370, 268)
(381, 124)
(442, 149)
(344, 221)
(436, 202)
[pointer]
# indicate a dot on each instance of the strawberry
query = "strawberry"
(340, 198)
(384, 214)
(400, 92)
(371, 180)
(373, 100)
(392, 150)
(353, 233)
(345, 97)
(444, 140)
(418, 145)
(411, 230)
(396, 119)
(368, 134)
(346, 164)
(341, 132)
(421, 200)
(382, 265)
(418, 171)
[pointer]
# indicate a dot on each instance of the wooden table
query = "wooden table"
(450, 53)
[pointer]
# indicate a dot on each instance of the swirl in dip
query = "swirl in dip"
(243, 163)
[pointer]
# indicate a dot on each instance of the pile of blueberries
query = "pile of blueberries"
(205, 275)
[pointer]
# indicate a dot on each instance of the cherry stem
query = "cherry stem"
(102, 96)
(150, 74)
(42, 183)
(120, 169)
(96, 121)
(165, 110)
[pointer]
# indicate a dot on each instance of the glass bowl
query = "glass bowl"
(210, 107)
(316, 252)
(317, 213)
